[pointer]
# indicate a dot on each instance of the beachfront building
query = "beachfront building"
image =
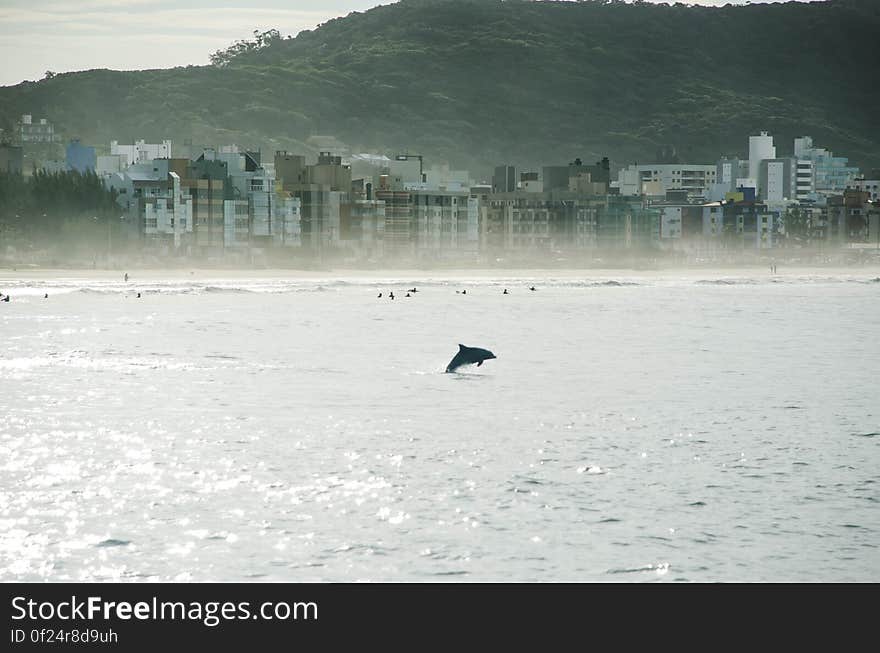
(748, 223)
(712, 222)
(236, 224)
(206, 181)
(398, 238)
(730, 174)
(41, 145)
(286, 225)
(445, 223)
(264, 219)
(804, 180)
(253, 186)
(873, 220)
(257, 213)
(41, 131)
(761, 148)
(108, 164)
(157, 205)
(680, 220)
(446, 178)
(206, 209)
(123, 156)
(628, 224)
(564, 222)
(504, 179)
(774, 179)
(324, 193)
(831, 174)
(80, 157)
(869, 186)
(140, 152)
(737, 224)
(778, 180)
(655, 180)
(847, 218)
(362, 232)
(529, 182)
(558, 177)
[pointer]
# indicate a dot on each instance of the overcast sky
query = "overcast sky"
(65, 35)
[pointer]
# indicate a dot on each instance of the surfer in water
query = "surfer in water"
(126, 276)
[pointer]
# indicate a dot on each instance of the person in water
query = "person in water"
(464, 292)
(126, 276)
(532, 288)
(505, 292)
(408, 295)
(391, 294)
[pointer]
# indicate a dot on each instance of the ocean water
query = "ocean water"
(632, 428)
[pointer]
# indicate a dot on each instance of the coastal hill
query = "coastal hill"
(485, 82)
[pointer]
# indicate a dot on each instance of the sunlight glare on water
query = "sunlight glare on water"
(666, 428)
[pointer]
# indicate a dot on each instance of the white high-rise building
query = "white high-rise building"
(829, 173)
(803, 147)
(805, 179)
(760, 148)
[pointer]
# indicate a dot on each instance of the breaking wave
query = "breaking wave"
(613, 283)
(269, 286)
(726, 282)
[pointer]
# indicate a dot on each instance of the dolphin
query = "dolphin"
(469, 356)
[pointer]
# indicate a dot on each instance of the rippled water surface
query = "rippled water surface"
(631, 429)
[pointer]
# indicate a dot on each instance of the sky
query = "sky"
(65, 35)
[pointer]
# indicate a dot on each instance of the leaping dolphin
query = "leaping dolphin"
(469, 356)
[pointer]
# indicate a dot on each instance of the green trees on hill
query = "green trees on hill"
(261, 40)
